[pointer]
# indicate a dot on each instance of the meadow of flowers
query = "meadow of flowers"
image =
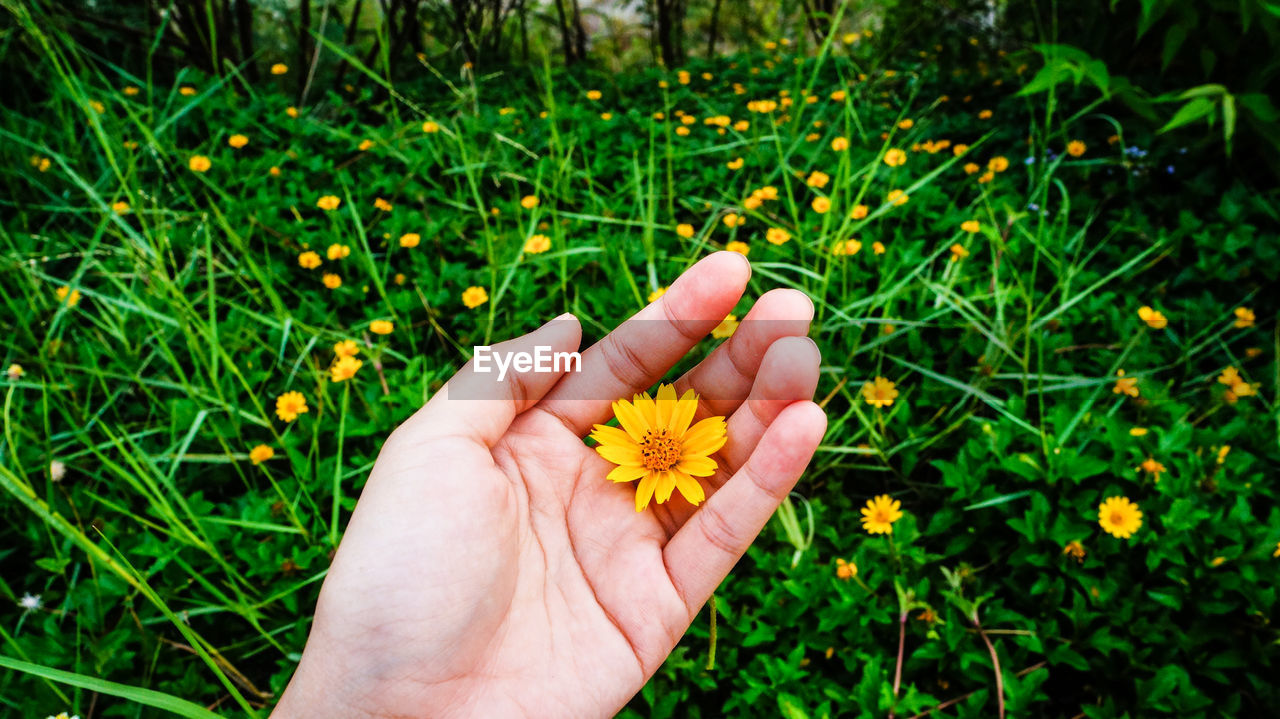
(1049, 364)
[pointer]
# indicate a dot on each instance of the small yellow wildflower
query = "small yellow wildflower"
(529, 202)
(847, 248)
(430, 127)
(238, 141)
(726, 328)
(199, 163)
(382, 327)
(308, 260)
(1119, 517)
(859, 212)
(999, 163)
(684, 230)
(331, 281)
(846, 570)
(410, 239)
(878, 247)
(984, 115)
(261, 453)
(1152, 468)
(328, 203)
(364, 145)
(1138, 431)
(1154, 319)
(289, 405)
(897, 197)
(895, 157)
(1244, 318)
(186, 91)
(338, 251)
(593, 95)
(653, 296)
(840, 144)
(1075, 550)
(970, 226)
(880, 514)
(821, 205)
(67, 295)
(732, 220)
(120, 207)
(1075, 148)
(741, 248)
(15, 372)
(473, 297)
(279, 68)
(382, 204)
(1125, 385)
(344, 368)
(879, 393)
(817, 179)
(734, 164)
(346, 348)
(537, 244)
(777, 236)
(958, 252)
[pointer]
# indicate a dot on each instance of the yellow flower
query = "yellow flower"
(289, 405)
(337, 251)
(653, 296)
(537, 244)
(846, 570)
(840, 144)
(999, 163)
(777, 236)
(1138, 431)
(821, 205)
(726, 328)
(984, 115)
(69, 296)
(768, 192)
(261, 453)
(593, 94)
(1119, 517)
(1075, 148)
(1223, 451)
(970, 226)
(364, 145)
(308, 260)
(1244, 318)
(970, 168)
(895, 157)
(839, 95)
(291, 111)
(858, 212)
(382, 204)
(897, 197)
(199, 163)
(657, 445)
(878, 247)
(684, 230)
(238, 141)
(732, 220)
(880, 514)
(906, 124)
(1277, 552)
(274, 171)
(328, 202)
(846, 248)
(1075, 549)
(473, 297)
(741, 248)
(1125, 385)
(346, 348)
(15, 372)
(344, 368)
(682, 131)
(1152, 467)
(606, 116)
(332, 281)
(1154, 319)
(186, 91)
(879, 393)
(381, 327)
(120, 207)
(682, 77)
(734, 164)
(1230, 377)
(529, 202)
(97, 106)
(958, 252)
(817, 179)
(430, 127)
(959, 150)
(279, 68)
(410, 239)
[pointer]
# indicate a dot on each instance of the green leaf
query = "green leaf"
(145, 697)
(53, 565)
(1189, 113)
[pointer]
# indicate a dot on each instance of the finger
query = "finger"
(704, 550)
(724, 378)
(480, 401)
(788, 374)
(642, 349)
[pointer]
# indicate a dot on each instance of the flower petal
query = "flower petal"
(705, 437)
(686, 408)
(666, 405)
(697, 466)
(629, 456)
(626, 473)
(604, 434)
(689, 487)
(644, 491)
(631, 419)
(665, 486)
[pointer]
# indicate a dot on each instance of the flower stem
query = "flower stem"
(995, 662)
(711, 649)
(902, 641)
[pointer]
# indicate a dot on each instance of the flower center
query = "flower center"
(1117, 518)
(659, 450)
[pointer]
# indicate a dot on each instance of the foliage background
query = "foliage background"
(165, 561)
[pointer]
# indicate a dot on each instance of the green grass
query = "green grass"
(172, 570)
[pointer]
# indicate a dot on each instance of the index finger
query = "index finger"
(642, 349)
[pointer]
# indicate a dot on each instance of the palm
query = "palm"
(495, 572)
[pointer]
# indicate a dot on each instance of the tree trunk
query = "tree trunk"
(715, 27)
(565, 40)
(244, 23)
(579, 33)
(304, 43)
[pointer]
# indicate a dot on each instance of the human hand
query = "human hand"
(489, 569)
